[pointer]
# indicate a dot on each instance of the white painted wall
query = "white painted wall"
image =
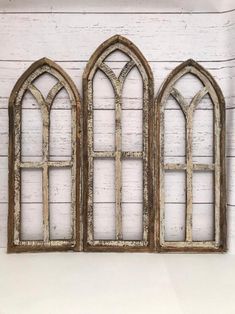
(167, 33)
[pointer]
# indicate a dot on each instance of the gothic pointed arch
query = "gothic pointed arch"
(117, 155)
(43, 163)
(191, 165)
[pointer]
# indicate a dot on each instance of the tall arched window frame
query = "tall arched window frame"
(17, 164)
(96, 62)
(210, 88)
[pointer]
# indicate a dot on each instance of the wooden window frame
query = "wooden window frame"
(120, 43)
(152, 156)
(25, 83)
(218, 166)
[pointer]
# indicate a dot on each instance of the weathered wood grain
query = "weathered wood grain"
(123, 6)
(218, 243)
(104, 184)
(200, 33)
(131, 230)
(104, 129)
(19, 170)
(223, 72)
(118, 127)
(180, 29)
(230, 116)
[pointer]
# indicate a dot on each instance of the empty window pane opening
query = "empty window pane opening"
(43, 160)
(191, 168)
(118, 106)
(136, 176)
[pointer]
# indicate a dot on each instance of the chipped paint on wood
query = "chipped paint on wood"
(25, 83)
(149, 146)
(218, 166)
(97, 62)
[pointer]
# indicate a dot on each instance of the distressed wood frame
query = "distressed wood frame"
(25, 83)
(218, 166)
(96, 62)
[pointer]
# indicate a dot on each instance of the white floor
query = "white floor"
(92, 283)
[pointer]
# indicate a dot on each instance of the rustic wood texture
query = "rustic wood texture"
(207, 38)
(98, 61)
(218, 166)
(16, 163)
(59, 6)
(81, 41)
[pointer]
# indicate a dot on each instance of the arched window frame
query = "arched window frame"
(122, 44)
(25, 83)
(218, 166)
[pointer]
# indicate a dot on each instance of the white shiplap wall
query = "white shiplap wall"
(167, 33)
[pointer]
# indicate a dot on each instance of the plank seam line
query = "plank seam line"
(150, 61)
(117, 13)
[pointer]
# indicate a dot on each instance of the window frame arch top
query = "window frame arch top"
(217, 166)
(96, 62)
(26, 83)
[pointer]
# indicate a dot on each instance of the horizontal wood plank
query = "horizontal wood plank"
(67, 36)
(123, 6)
(200, 33)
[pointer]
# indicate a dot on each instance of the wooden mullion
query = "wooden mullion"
(103, 154)
(26, 83)
(97, 61)
(203, 167)
(118, 167)
(135, 155)
(172, 166)
(195, 167)
(218, 166)
(107, 154)
(55, 164)
(189, 177)
(45, 175)
(45, 198)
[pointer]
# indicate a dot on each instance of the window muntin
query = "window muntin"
(31, 82)
(117, 150)
(26, 164)
(190, 165)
